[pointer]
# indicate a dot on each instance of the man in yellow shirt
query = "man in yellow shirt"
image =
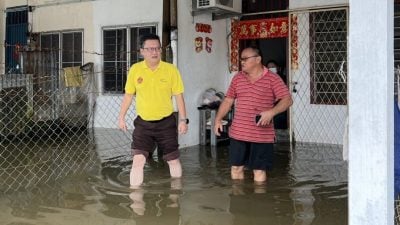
(153, 83)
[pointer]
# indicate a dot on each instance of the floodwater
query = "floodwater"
(308, 186)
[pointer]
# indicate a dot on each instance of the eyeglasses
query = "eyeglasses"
(244, 59)
(157, 49)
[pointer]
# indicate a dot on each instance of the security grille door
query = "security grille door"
(318, 73)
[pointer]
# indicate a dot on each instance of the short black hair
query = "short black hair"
(146, 37)
(256, 50)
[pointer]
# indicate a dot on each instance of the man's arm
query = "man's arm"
(126, 103)
(180, 102)
(223, 109)
(267, 116)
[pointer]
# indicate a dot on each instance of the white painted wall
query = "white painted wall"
(13, 3)
(371, 173)
(203, 70)
(77, 16)
(296, 4)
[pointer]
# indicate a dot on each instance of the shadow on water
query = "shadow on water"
(307, 186)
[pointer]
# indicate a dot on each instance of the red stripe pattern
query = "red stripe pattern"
(250, 100)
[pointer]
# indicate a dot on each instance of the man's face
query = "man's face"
(249, 60)
(151, 51)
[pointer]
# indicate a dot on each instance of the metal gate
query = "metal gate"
(318, 75)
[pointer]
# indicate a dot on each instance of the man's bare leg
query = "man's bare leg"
(260, 175)
(175, 168)
(237, 172)
(136, 175)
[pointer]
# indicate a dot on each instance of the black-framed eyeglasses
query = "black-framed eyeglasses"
(244, 59)
(157, 49)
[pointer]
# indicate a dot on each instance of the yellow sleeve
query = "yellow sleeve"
(130, 81)
(177, 83)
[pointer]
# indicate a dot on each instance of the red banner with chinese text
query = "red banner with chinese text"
(259, 29)
(265, 28)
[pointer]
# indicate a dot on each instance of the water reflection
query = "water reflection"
(157, 208)
(320, 190)
(307, 186)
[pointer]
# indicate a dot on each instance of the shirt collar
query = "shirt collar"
(144, 65)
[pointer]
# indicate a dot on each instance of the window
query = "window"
(328, 57)
(116, 57)
(115, 63)
(71, 49)
(50, 43)
(69, 45)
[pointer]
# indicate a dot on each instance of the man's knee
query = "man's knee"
(138, 161)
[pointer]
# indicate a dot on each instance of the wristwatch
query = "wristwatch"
(186, 120)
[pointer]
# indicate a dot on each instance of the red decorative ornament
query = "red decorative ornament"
(203, 28)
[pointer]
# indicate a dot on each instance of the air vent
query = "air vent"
(231, 6)
(202, 3)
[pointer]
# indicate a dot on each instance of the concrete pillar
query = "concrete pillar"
(370, 79)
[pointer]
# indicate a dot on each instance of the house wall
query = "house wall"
(66, 17)
(200, 71)
(203, 70)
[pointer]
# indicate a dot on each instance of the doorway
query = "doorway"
(275, 49)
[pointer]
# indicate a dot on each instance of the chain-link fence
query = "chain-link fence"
(48, 125)
(45, 114)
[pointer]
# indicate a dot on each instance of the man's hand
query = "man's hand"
(218, 127)
(182, 127)
(266, 118)
(122, 124)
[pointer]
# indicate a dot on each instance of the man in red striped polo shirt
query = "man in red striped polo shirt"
(256, 93)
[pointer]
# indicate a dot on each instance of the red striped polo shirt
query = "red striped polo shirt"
(250, 100)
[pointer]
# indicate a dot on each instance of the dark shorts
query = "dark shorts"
(148, 134)
(255, 156)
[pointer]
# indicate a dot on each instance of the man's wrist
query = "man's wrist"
(185, 120)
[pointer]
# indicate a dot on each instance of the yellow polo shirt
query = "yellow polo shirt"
(154, 89)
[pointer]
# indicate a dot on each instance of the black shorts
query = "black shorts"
(163, 133)
(255, 156)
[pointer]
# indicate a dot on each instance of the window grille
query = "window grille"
(116, 57)
(328, 57)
